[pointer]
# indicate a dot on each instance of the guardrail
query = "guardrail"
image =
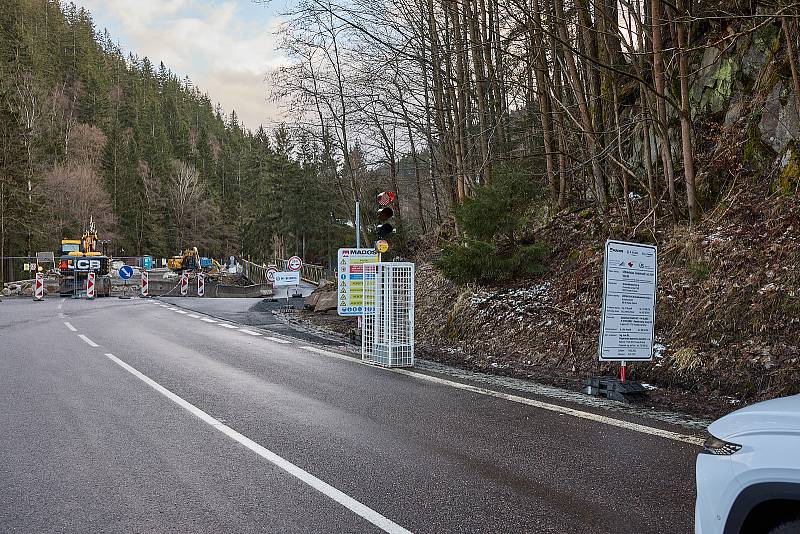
(313, 274)
(254, 272)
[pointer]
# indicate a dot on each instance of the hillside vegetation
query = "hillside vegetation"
(86, 130)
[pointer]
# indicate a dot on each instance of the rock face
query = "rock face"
(780, 123)
(326, 301)
(311, 300)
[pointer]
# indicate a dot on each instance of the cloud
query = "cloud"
(226, 48)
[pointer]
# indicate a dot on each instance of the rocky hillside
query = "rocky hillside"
(728, 317)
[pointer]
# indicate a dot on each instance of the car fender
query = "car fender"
(754, 495)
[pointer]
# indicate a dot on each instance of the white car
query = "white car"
(748, 473)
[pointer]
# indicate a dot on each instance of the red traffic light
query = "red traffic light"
(386, 198)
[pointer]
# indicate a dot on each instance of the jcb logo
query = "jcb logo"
(87, 265)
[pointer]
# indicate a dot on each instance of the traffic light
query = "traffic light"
(384, 214)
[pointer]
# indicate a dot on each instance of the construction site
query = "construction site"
(66, 272)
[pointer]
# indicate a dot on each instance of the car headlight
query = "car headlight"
(719, 447)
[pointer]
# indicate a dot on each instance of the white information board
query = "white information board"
(286, 278)
(629, 302)
(351, 279)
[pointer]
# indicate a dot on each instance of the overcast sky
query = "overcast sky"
(226, 47)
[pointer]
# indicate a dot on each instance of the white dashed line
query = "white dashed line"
(193, 316)
(88, 341)
(249, 332)
(278, 340)
(385, 524)
(71, 328)
(228, 325)
(644, 429)
(181, 312)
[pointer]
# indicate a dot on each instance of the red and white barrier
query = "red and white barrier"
(145, 284)
(184, 283)
(90, 291)
(38, 291)
(201, 285)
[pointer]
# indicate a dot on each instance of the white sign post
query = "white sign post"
(286, 279)
(351, 280)
(629, 303)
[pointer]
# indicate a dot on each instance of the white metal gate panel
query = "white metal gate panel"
(388, 323)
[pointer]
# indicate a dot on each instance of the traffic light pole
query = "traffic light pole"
(358, 224)
(358, 245)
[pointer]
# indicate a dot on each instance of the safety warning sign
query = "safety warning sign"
(629, 302)
(351, 279)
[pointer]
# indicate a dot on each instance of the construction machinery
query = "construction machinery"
(79, 257)
(190, 260)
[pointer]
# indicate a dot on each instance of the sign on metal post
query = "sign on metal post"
(294, 263)
(285, 279)
(352, 280)
(145, 284)
(38, 292)
(201, 285)
(629, 302)
(90, 290)
(125, 272)
(271, 270)
(184, 283)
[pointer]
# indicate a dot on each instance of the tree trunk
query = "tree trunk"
(476, 45)
(586, 119)
(543, 96)
(661, 104)
(686, 125)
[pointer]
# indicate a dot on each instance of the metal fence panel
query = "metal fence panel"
(388, 327)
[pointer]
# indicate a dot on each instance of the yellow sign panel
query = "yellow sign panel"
(352, 279)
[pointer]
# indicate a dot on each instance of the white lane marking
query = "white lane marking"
(228, 325)
(206, 319)
(60, 304)
(71, 328)
(644, 429)
(181, 312)
(88, 341)
(193, 316)
(304, 476)
(277, 340)
(250, 332)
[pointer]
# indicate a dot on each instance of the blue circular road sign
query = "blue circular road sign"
(125, 272)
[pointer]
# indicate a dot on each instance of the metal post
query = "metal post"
(358, 224)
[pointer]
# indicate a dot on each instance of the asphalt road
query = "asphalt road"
(161, 419)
